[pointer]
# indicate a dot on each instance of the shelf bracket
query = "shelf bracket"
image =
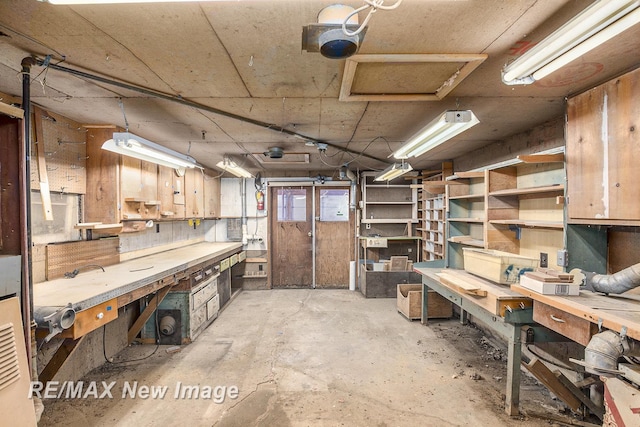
(517, 229)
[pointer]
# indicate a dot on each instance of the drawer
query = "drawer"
(571, 326)
(224, 264)
(210, 271)
(233, 260)
(198, 317)
(92, 318)
(205, 293)
(213, 306)
(242, 256)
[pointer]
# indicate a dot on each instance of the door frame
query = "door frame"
(275, 184)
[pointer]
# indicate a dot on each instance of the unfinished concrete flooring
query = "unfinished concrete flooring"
(305, 358)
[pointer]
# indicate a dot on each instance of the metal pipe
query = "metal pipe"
(603, 351)
(180, 100)
(243, 202)
(617, 283)
(25, 209)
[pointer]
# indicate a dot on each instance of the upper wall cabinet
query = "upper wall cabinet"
(211, 195)
(603, 148)
(123, 188)
(194, 193)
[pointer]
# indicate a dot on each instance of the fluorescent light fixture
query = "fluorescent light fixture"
(131, 145)
(444, 127)
(230, 166)
(74, 2)
(598, 23)
(394, 171)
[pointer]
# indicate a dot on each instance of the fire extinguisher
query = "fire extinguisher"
(260, 200)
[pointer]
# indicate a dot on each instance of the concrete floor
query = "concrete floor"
(304, 358)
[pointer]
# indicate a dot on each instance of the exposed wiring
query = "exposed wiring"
(374, 5)
(74, 273)
(104, 341)
(126, 123)
(330, 165)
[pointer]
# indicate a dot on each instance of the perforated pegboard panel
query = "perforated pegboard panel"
(65, 154)
(65, 257)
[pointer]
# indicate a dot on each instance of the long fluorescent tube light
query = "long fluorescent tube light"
(131, 145)
(230, 166)
(442, 128)
(598, 23)
(78, 2)
(394, 171)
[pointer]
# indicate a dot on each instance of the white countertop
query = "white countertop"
(93, 287)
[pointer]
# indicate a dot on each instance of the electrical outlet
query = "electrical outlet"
(563, 258)
(367, 226)
(544, 260)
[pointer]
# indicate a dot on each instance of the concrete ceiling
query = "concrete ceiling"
(245, 58)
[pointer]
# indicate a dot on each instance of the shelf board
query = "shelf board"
(254, 276)
(463, 175)
(255, 260)
(390, 203)
(529, 223)
(466, 240)
(559, 188)
(542, 158)
(465, 220)
(389, 221)
(388, 185)
(468, 197)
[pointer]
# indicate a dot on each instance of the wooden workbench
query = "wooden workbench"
(502, 310)
(93, 287)
(620, 313)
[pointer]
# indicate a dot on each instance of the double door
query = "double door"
(312, 235)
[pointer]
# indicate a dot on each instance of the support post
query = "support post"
(513, 370)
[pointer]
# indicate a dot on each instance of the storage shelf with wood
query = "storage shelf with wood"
(466, 213)
(525, 207)
(388, 209)
(431, 195)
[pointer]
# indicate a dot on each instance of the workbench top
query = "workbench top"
(92, 287)
(614, 312)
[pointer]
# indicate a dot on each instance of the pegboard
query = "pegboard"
(65, 153)
(65, 257)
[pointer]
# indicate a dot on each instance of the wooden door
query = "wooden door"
(194, 193)
(291, 250)
(334, 237)
(211, 195)
(170, 193)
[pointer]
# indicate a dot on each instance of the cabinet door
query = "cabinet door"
(602, 151)
(171, 193)
(194, 193)
(211, 196)
(138, 188)
(101, 203)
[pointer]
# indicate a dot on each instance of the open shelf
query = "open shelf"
(468, 197)
(543, 190)
(474, 220)
(529, 223)
(466, 240)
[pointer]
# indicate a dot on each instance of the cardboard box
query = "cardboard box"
(409, 303)
(500, 267)
(550, 288)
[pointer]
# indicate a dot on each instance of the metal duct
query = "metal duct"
(56, 319)
(603, 351)
(617, 283)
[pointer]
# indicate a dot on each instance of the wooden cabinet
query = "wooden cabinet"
(171, 193)
(194, 193)
(603, 145)
(211, 195)
(138, 189)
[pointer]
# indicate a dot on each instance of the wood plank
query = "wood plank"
(546, 377)
(586, 401)
(59, 358)
(462, 175)
(130, 297)
(91, 319)
(146, 314)
(542, 158)
(101, 200)
(47, 209)
(462, 285)
(66, 257)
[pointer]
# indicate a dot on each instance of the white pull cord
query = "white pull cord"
(374, 5)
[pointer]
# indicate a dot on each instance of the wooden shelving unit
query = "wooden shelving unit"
(517, 209)
(388, 209)
(431, 211)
